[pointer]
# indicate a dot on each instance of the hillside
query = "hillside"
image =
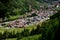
(12, 9)
(34, 37)
(52, 28)
(57, 15)
(15, 8)
(49, 30)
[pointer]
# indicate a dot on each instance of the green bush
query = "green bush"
(25, 33)
(32, 32)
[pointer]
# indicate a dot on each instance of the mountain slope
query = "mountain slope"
(52, 28)
(10, 8)
(57, 15)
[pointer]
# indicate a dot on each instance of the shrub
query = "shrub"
(37, 30)
(0, 35)
(19, 36)
(32, 32)
(5, 34)
(25, 33)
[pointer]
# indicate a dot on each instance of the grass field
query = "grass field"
(34, 37)
(30, 27)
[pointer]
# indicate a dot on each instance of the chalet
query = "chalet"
(34, 11)
(50, 6)
(41, 7)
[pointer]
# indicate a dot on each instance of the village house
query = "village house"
(56, 4)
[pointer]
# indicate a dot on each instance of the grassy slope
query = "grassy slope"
(30, 27)
(34, 37)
